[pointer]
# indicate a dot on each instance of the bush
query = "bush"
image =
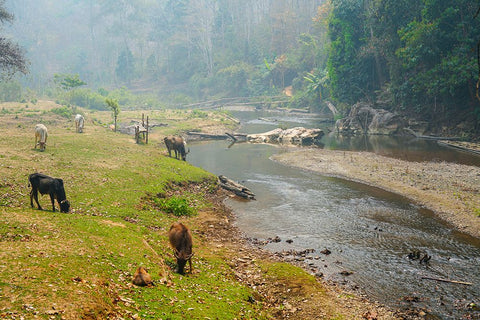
(176, 206)
(63, 111)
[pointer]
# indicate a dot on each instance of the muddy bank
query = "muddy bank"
(451, 190)
(291, 295)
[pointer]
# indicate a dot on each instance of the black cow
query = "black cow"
(48, 185)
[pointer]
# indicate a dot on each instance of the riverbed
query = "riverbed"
(368, 231)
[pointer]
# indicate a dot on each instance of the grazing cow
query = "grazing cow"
(53, 186)
(181, 242)
(176, 144)
(41, 135)
(79, 122)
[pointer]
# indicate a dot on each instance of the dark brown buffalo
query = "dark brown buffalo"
(176, 144)
(48, 185)
(181, 242)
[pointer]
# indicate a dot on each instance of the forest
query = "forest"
(417, 58)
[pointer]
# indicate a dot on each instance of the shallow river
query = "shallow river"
(369, 232)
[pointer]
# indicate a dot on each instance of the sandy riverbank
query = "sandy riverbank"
(451, 190)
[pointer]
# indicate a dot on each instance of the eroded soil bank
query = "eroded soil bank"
(451, 190)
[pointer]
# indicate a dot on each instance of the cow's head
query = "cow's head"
(42, 145)
(64, 206)
(182, 259)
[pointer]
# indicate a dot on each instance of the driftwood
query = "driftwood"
(213, 136)
(465, 146)
(447, 280)
(208, 135)
(236, 188)
(419, 136)
(231, 136)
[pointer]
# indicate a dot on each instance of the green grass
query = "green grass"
(81, 263)
(124, 197)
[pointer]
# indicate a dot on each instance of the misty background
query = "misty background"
(417, 58)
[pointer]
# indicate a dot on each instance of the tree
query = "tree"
(68, 81)
(348, 71)
(12, 59)
(438, 56)
(125, 66)
(113, 105)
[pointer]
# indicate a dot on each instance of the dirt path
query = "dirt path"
(451, 190)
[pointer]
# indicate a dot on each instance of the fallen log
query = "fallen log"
(235, 187)
(213, 136)
(231, 136)
(447, 280)
(419, 136)
(208, 135)
(463, 146)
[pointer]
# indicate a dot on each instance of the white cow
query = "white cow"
(41, 135)
(79, 122)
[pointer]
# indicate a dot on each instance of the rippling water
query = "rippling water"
(370, 232)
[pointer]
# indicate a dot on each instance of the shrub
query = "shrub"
(63, 111)
(176, 206)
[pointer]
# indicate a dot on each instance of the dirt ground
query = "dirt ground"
(451, 190)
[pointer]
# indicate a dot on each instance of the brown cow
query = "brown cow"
(142, 278)
(181, 242)
(176, 144)
(41, 135)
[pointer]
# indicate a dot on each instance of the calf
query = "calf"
(53, 186)
(176, 144)
(79, 122)
(141, 278)
(41, 135)
(181, 242)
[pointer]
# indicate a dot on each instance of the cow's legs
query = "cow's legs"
(34, 194)
(52, 197)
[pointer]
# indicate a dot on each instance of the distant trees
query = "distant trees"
(12, 59)
(125, 70)
(415, 56)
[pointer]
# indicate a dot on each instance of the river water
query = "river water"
(369, 232)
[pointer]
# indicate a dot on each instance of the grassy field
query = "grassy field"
(79, 265)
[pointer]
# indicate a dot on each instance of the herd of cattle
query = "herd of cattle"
(179, 235)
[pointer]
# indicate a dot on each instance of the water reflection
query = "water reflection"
(405, 148)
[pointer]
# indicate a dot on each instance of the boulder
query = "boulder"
(296, 136)
(363, 118)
